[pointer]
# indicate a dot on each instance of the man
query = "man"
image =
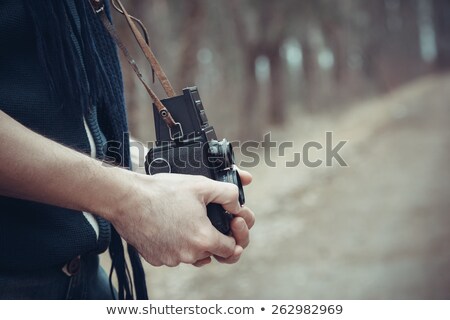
(61, 102)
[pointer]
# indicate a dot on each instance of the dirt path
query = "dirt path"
(377, 229)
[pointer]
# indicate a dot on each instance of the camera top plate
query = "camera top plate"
(188, 110)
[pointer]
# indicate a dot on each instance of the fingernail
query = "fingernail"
(241, 225)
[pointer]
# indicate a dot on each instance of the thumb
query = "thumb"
(224, 193)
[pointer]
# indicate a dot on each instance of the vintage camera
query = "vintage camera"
(192, 147)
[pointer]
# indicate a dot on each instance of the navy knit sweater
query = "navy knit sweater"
(35, 235)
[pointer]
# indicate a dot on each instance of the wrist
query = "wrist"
(112, 192)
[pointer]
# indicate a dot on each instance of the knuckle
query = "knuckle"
(188, 258)
(170, 262)
(252, 217)
(156, 263)
(234, 259)
(199, 180)
(228, 251)
(152, 260)
(199, 183)
(248, 216)
(245, 242)
(249, 221)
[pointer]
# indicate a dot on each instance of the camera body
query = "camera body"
(192, 147)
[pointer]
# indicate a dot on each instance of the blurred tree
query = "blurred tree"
(274, 16)
(406, 57)
(442, 31)
(390, 42)
(251, 47)
(372, 34)
(261, 36)
(303, 17)
(332, 17)
(191, 35)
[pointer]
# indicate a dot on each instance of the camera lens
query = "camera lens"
(241, 189)
(232, 176)
(229, 152)
(221, 154)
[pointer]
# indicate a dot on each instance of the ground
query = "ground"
(377, 229)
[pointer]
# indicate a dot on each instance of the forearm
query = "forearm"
(163, 216)
(35, 168)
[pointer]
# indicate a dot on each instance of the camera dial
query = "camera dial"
(159, 165)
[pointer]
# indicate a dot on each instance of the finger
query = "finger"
(234, 258)
(246, 177)
(202, 262)
(224, 246)
(240, 232)
(223, 193)
(248, 216)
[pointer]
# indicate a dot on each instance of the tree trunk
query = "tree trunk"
(191, 30)
(334, 40)
(249, 128)
(373, 37)
(442, 29)
(309, 72)
(277, 101)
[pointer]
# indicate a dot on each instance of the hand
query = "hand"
(240, 226)
(164, 218)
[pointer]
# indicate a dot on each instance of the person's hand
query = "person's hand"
(164, 218)
(240, 226)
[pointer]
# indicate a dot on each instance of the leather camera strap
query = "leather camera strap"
(146, 49)
(99, 8)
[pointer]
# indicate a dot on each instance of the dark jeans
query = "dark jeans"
(91, 282)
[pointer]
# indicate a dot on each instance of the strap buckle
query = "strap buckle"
(178, 134)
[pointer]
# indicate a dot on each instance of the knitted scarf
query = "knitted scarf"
(81, 81)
